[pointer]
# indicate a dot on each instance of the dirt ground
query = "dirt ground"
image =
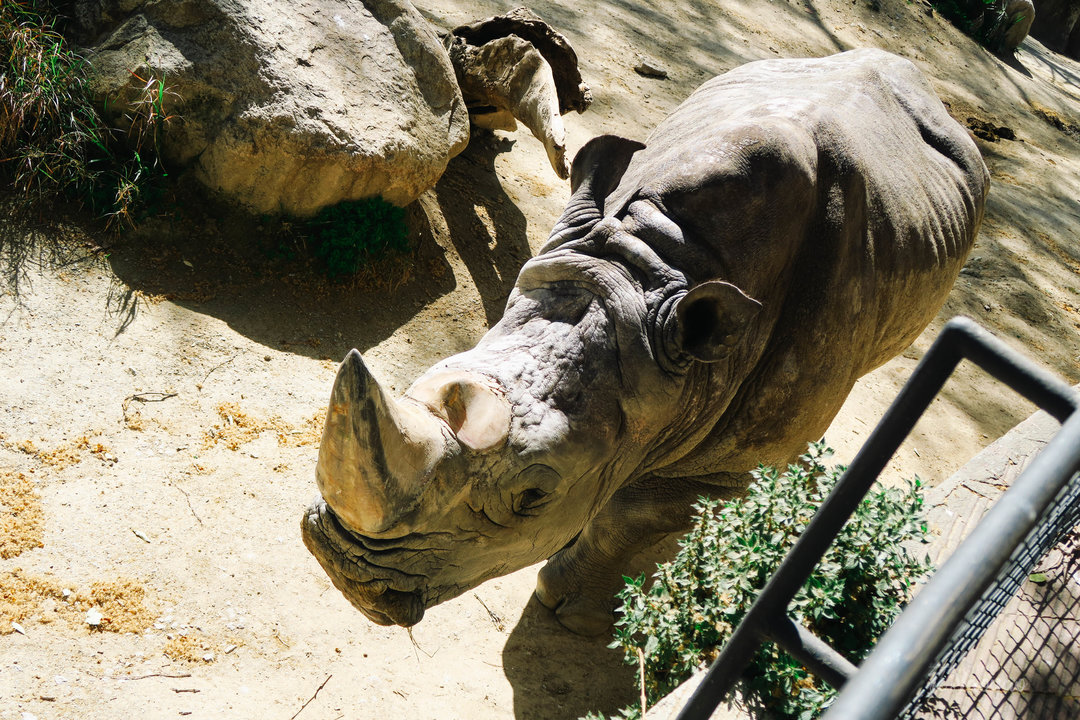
(161, 397)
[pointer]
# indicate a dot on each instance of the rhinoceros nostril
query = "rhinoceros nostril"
(391, 607)
(404, 608)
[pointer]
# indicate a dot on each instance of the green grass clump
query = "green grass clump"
(864, 580)
(48, 129)
(354, 235)
(53, 141)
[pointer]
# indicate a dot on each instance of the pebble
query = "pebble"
(650, 69)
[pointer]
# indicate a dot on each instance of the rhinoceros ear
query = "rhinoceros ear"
(598, 167)
(710, 320)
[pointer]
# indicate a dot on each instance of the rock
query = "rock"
(506, 80)
(1057, 25)
(1001, 24)
(573, 93)
(650, 69)
(285, 108)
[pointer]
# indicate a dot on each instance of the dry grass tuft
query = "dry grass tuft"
(65, 454)
(237, 428)
(308, 433)
(22, 522)
(122, 603)
(27, 598)
(189, 648)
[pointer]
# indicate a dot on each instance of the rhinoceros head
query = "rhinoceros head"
(496, 458)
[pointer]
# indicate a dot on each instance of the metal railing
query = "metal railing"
(948, 616)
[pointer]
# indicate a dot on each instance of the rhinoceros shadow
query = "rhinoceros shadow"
(557, 675)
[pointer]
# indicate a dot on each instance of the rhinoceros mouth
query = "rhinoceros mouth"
(383, 593)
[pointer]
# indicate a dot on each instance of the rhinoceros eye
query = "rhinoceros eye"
(537, 484)
(530, 500)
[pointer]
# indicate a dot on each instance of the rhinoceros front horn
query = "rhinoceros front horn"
(376, 454)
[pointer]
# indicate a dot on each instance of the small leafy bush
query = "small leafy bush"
(682, 620)
(353, 235)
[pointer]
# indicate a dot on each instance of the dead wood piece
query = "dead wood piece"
(572, 92)
(506, 80)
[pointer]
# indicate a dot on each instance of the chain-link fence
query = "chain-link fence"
(1017, 655)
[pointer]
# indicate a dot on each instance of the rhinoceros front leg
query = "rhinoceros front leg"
(580, 581)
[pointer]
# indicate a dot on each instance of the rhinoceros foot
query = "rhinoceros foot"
(583, 605)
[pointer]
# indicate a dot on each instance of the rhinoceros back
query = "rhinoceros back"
(840, 194)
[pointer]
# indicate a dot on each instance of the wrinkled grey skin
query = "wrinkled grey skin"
(705, 303)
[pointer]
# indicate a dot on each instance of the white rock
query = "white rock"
(292, 106)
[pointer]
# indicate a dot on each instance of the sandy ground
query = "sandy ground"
(161, 399)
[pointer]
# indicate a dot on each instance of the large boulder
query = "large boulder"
(286, 108)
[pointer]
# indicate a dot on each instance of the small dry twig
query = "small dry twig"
(188, 498)
(218, 367)
(163, 675)
(143, 398)
(495, 619)
(312, 697)
(641, 678)
(148, 397)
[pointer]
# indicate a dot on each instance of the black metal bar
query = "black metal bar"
(959, 338)
(907, 651)
(1011, 367)
(815, 654)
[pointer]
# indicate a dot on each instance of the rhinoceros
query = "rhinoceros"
(705, 303)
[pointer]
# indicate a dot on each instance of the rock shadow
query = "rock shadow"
(485, 226)
(232, 267)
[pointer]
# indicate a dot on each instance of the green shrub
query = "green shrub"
(681, 621)
(353, 235)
